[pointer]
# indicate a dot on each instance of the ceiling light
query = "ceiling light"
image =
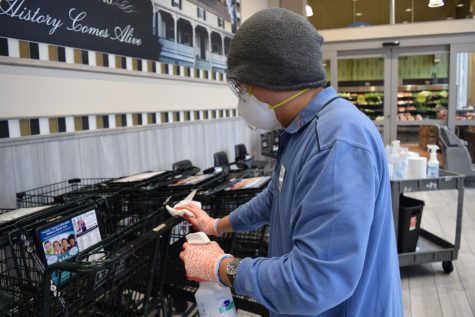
(358, 14)
(459, 5)
(435, 3)
(450, 18)
(408, 10)
(309, 10)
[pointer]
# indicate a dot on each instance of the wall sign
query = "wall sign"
(121, 27)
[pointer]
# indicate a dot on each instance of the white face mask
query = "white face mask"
(257, 114)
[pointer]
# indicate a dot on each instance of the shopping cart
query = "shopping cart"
(127, 216)
(218, 203)
(116, 283)
(46, 195)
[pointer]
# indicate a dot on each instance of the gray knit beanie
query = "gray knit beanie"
(277, 49)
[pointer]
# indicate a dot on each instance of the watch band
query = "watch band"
(232, 268)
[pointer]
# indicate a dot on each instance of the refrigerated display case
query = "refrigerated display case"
(369, 99)
(422, 102)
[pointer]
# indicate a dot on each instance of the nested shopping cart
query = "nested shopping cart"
(47, 195)
(217, 203)
(126, 217)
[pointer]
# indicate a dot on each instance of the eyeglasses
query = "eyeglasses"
(239, 89)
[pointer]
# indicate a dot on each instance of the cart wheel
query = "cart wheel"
(448, 267)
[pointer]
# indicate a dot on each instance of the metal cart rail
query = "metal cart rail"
(431, 248)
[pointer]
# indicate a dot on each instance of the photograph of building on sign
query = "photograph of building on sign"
(195, 33)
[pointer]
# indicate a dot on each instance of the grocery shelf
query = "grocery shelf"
(464, 122)
(421, 122)
(430, 248)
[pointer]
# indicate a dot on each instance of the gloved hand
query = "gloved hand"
(201, 261)
(201, 220)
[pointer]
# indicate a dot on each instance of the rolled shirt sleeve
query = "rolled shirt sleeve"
(331, 217)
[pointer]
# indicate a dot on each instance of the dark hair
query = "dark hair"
(64, 239)
(46, 242)
(71, 236)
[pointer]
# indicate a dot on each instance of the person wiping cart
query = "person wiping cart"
(332, 249)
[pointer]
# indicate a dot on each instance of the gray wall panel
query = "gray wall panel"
(7, 178)
(40, 161)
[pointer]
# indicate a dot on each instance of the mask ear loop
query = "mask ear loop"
(289, 99)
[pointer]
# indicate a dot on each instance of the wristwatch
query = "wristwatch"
(231, 269)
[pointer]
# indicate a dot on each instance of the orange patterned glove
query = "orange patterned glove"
(202, 261)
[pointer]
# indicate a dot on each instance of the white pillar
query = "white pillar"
(158, 117)
(44, 125)
(92, 120)
(111, 60)
(14, 128)
(69, 52)
(91, 56)
(111, 120)
(128, 120)
(170, 117)
(69, 124)
(144, 119)
(13, 47)
(128, 63)
(43, 52)
(144, 65)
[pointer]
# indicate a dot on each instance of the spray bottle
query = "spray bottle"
(433, 164)
(393, 161)
(212, 300)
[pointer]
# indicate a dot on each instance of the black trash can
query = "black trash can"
(410, 214)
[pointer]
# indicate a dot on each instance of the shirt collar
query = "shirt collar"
(311, 110)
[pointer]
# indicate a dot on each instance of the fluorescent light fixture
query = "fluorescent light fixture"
(435, 3)
(459, 5)
(408, 10)
(358, 14)
(309, 10)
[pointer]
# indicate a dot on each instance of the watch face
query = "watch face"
(233, 266)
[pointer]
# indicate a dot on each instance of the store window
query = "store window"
(361, 81)
(201, 13)
(423, 89)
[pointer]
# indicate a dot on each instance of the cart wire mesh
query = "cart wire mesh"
(47, 195)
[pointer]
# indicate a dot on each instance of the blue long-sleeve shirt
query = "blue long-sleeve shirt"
(332, 249)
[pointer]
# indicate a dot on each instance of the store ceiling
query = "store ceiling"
(330, 14)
